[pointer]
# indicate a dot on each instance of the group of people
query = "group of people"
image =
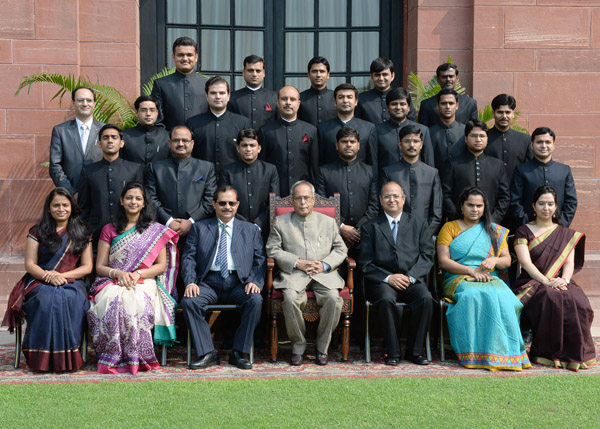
(175, 211)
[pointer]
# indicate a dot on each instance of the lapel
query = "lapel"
(92, 137)
(75, 137)
(403, 227)
(386, 231)
(213, 239)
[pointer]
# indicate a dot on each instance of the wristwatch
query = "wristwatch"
(140, 273)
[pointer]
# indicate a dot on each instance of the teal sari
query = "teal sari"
(483, 317)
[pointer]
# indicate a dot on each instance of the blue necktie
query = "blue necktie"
(221, 259)
(395, 230)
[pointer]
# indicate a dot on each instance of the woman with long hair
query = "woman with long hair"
(558, 310)
(51, 296)
(483, 313)
(135, 288)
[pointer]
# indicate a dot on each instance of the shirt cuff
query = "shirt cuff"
(169, 221)
(412, 280)
(326, 267)
(386, 280)
(191, 219)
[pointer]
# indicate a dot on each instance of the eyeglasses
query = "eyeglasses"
(227, 203)
(302, 198)
(81, 100)
(184, 141)
(392, 196)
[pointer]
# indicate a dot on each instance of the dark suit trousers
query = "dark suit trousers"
(216, 289)
(418, 298)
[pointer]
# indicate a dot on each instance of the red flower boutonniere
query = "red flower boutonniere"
(268, 107)
(305, 138)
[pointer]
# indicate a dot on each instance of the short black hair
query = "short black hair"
(475, 123)
(178, 127)
(248, 133)
(543, 130)
(409, 129)
(345, 86)
(319, 60)
(224, 188)
(397, 94)
(253, 59)
(446, 91)
(110, 127)
(504, 100)
(143, 98)
(185, 41)
(380, 64)
(347, 132)
(445, 67)
(215, 80)
(82, 87)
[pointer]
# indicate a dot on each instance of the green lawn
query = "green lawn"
(559, 401)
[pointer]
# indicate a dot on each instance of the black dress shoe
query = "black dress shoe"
(321, 358)
(209, 359)
(392, 361)
(418, 360)
(296, 359)
(237, 359)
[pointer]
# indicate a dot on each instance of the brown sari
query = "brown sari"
(561, 320)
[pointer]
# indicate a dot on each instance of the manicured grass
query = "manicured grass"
(560, 401)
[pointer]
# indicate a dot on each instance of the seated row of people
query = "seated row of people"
(136, 266)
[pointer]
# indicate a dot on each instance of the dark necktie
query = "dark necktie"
(221, 260)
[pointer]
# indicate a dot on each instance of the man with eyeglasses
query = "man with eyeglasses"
(73, 143)
(475, 168)
(421, 182)
(396, 253)
(148, 141)
(223, 262)
(308, 249)
(181, 187)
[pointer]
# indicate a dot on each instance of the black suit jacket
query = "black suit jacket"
(215, 138)
(529, 176)
(293, 148)
(100, 188)
(259, 106)
(67, 158)
(357, 184)
(253, 182)
(373, 108)
(181, 189)
(327, 141)
(316, 106)
(247, 251)
(179, 97)
(145, 144)
(421, 184)
(485, 172)
(447, 141)
(429, 115)
(411, 255)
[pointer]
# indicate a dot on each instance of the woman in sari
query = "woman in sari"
(51, 296)
(133, 293)
(559, 312)
(483, 313)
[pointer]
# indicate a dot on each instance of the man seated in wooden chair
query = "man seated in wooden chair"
(308, 249)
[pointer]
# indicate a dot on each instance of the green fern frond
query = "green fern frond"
(486, 114)
(147, 88)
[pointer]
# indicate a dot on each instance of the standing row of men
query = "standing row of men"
(218, 143)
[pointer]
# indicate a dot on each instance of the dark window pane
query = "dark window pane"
(333, 47)
(247, 43)
(365, 13)
(215, 12)
(172, 35)
(365, 47)
(299, 13)
(181, 12)
(249, 12)
(298, 50)
(214, 54)
(332, 13)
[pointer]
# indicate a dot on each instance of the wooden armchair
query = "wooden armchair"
(329, 207)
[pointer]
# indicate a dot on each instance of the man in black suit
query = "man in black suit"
(289, 143)
(181, 187)
(101, 183)
(223, 262)
(73, 143)
(180, 95)
(372, 105)
(215, 131)
(447, 77)
(255, 102)
(148, 141)
(542, 170)
(448, 135)
(420, 182)
(355, 181)
(253, 179)
(398, 104)
(316, 103)
(396, 253)
(474, 168)
(345, 99)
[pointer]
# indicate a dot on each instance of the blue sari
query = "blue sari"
(483, 318)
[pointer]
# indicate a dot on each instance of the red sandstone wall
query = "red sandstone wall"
(98, 39)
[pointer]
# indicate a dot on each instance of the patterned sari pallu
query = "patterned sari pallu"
(561, 320)
(121, 319)
(483, 317)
